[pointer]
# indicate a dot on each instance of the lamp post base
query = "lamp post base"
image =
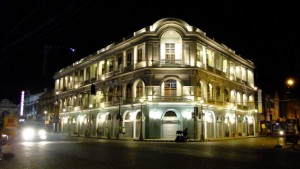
(141, 138)
(120, 136)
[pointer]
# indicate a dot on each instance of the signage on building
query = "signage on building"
(10, 122)
(10, 125)
(259, 101)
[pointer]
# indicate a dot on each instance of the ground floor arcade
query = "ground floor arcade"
(160, 121)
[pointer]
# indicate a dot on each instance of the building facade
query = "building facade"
(165, 77)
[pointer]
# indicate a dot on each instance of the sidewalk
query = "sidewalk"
(169, 140)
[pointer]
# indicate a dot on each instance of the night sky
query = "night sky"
(265, 32)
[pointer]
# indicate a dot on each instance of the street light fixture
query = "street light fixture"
(141, 127)
(290, 82)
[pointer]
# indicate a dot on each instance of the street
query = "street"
(65, 152)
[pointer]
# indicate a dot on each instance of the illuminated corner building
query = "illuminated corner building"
(171, 65)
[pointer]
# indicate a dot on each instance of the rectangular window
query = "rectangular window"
(210, 57)
(102, 68)
(218, 61)
(129, 58)
(120, 60)
(243, 72)
(200, 53)
(170, 52)
(110, 66)
(225, 65)
(139, 55)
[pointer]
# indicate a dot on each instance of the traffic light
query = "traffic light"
(93, 89)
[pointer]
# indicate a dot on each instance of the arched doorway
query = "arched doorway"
(108, 125)
(170, 125)
(246, 127)
(128, 125)
(209, 119)
(239, 125)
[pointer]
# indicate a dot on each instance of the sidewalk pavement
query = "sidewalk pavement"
(170, 140)
(296, 147)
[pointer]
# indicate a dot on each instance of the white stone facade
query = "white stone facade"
(171, 66)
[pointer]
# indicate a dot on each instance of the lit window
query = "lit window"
(170, 88)
(170, 52)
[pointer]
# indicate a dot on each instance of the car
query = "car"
(291, 137)
(31, 133)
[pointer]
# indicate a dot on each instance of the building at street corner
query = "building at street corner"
(165, 77)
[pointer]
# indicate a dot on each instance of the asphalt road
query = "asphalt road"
(63, 152)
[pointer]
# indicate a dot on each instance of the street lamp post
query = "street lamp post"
(202, 123)
(90, 120)
(45, 112)
(63, 120)
(141, 138)
(195, 114)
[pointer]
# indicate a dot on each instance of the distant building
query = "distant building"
(165, 77)
(32, 109)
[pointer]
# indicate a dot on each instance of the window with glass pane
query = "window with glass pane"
(120, 60)
(225, 65)
(210, 57)
(170, 53)
(128, 91)
(210, 91)
(219, 62)
(87, 73)
(102, 68)
(170, 88)
(129, 58)
(200, 53)
(139, 90)
(110, 65)
(139, 55)
(95, 70)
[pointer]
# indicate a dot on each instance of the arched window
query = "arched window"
(218, 94)
(244, 100)
(99, 96)
(171, 43)
(226, 96)
(199, 90)
(170, 114)
(127, 116)
(239, 99)
(139, 90)
(119, 91)
(110, 95)
(128, 91)
(210, 91)
(233, 96)
(108, 117)
(251, 102)
(138, 115)
(170, 87)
